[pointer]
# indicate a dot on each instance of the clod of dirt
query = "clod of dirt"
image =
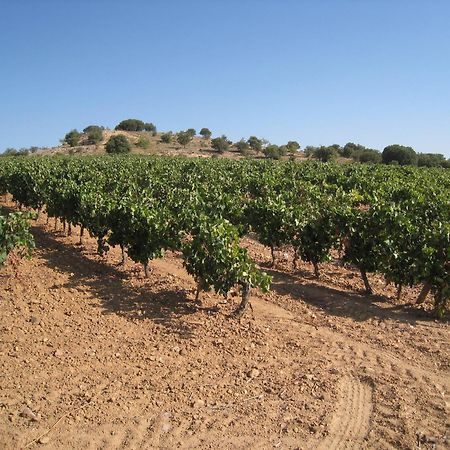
(253, 373)
(28, 414)
(44, 440)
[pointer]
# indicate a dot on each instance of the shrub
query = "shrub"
(131, 125)
(191, 132)
(143, 142)
(72, 138)
(94, 134)
(404, 156)
(255, 143)
(220, 144)
(206, 133)
(242, 146)
(183, 138)
(325, 154)
(293, 146)
(150, 127)
(166, 138)
(430, 160)
(118, 144)
(369, 155)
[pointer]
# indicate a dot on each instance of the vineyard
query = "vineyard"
(110, 338)
(386, 220)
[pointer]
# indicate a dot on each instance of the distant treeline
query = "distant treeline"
(253, 146)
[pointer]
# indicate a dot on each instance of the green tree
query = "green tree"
(206, 133)
(255, 143)
(274, 151)
(220, 144)
(369, 155)
(131, 125)
(325, 154)
(430, 160)
(404, 156)
(293, 146)
(242, 146)
(94, 134)
(191, 132)
(150, 127)
(118, 144)
(183, 138)
(72, 138)
(166, 138)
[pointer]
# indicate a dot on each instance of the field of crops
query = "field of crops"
(394, 221)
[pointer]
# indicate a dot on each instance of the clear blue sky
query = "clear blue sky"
(375, 72)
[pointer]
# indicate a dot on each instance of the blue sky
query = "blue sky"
(375, 72)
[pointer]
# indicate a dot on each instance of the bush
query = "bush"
(131, 125)
(325, 154)
(183, 138)
(404, 156)
(274, 151)
(293, 146)
(255, 143)
(94, 134)
(118, 144)
(369, 155)
(72, 138)
(191, 132)
(206, 133)
(166, 138)
(430, 160)
(242, 146)
(150, 127)
(143, 142)
(220, 144)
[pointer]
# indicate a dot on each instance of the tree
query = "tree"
(399, 154)
(206, 133)
(72, 138)
(255, 143)
(349, 149)
(150, 127)
(430, 160)
(131, 125)
(118, 144)
(293, 146)
(369, 155)
(183, 138)
(309, 150)
(166, 138)
(191, 132)
(220, 144)
(10, 152)
(325, 154)
(94, 134)
(242, 146)
(274, 151)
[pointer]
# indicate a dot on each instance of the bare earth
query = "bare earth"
(93, 355)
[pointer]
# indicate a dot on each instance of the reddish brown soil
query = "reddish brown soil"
(93, 355)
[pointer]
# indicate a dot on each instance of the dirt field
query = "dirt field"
(93, 355)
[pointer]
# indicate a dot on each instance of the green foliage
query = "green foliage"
(15, 235)
(143, 142)
(166, 138)
(325, 154)
(118, 144)
(367, 155)
(431, 160)
(206, 133)
(72, 138)
(191, 132)
(255, 143)
(150, 127)
(94, 134)
(399, 154)
(242, 146)
(183, 138)
(220, 144)
(292, 146)
(274, 151)
(131, 125)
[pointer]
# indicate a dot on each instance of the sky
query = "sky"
(373, 72)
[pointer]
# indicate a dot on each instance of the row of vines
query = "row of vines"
(392, 221)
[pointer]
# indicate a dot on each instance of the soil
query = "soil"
(93, 355)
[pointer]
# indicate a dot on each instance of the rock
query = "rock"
(58, 353)
(28, 414)
(44, 440)
(34, 320)
(253, 373)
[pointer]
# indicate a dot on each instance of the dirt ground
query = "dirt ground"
(95, 356)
